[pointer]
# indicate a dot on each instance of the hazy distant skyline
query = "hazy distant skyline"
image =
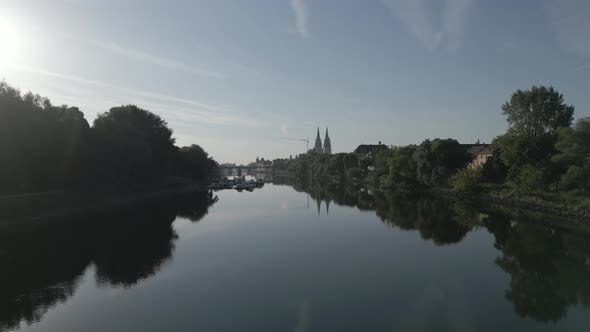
(236, 76)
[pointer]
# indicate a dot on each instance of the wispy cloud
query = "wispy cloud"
(571, 25)
(157, 60)
(284, 129)
(421, 17)
(175, 108)
(301, 17)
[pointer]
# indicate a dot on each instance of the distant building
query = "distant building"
(326, 148)
(263, 163)
(367, 150)
(480, 153)
(481, 156)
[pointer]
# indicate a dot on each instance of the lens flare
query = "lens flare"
(10, 41)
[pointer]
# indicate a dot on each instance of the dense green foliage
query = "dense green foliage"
(326, 167)
(540, 152)
(401, 167)
(437, 160)
(45, 147)
(466, 181)
(573, 146)
(537, 112)
(429, 164)
(534, 117)
(281, 164)
(193, 162)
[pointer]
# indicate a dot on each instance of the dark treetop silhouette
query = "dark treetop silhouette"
(45, 147)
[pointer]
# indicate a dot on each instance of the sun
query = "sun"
(10, 41)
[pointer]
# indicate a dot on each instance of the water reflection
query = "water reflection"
(549, 267)
(436, 219)
(548, 264)
(42, 263)
(250, 265)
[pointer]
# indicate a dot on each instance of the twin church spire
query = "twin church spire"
(327, 147)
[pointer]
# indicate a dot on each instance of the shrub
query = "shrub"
(530, 179)
(466, 181)
(575, 177)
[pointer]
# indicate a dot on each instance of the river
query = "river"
(285, 259)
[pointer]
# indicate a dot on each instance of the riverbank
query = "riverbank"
(550, 205)
(55, 204)
(555, 204)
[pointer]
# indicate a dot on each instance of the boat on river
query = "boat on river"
(238, 183)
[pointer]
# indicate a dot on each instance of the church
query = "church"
(327, 147)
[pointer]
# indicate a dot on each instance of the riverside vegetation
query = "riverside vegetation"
(542, 161)
(48, 148)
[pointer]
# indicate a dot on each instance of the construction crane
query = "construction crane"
(306, 140)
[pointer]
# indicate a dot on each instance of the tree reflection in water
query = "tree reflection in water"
(549, 266)
(435, 218)
(42, 264)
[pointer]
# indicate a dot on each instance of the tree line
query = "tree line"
(542, 151)
(46, 147)
(430, 163)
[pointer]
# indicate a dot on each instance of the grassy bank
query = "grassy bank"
(568, 205)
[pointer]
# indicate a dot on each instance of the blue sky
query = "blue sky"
(236, 76)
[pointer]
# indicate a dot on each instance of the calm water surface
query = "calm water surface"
(278, 259)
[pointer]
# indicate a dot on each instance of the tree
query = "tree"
(573, 146)
(519, 151)
(494, 170)
(336, 165)
(193, 162)
(281, 164)
(300, 167)
(530, 179)
(46, 147)
(538, 111)
(466, 181)
(534, 118)
(133, 145)
(350, 161)
(437, 160)
(402, 167)
(42, 146)
(381, 162)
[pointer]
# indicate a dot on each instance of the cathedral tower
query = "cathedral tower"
(318, 143)
(327, 143)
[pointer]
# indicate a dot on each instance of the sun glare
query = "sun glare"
(10, 41)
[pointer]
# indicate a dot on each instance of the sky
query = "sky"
(237, 76)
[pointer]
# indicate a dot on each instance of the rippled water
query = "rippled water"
(278, 259)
